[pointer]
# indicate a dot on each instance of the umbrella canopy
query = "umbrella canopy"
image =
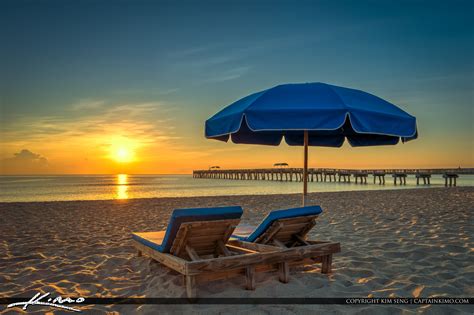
(314, 114)
(329, 113)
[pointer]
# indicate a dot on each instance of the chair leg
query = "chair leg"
(250, 277)
(284, 272)
(139, 253)
(191, 286)
(327, 262)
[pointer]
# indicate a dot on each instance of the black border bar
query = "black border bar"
(263, 300)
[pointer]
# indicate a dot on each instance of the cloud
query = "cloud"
(225, 53)
(158, 92)
(229, 74)
(87, 104)
(27, 155)
(123, 118)
(70, 135)
(229, 61)
(168, 91)
(191, 51)
(24, 162)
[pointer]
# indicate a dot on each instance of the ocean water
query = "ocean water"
(123, 186)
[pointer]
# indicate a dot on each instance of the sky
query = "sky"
(99, 87)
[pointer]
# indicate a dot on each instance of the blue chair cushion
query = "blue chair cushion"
(279, 214)
(180, 216)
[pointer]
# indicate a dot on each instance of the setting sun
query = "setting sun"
(123, 155)
(123, 149)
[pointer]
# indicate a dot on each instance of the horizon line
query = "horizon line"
(124, 173)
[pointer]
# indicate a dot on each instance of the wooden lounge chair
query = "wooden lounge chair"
(287, 229)
(194, 245)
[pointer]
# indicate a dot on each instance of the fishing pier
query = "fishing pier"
(334, 175)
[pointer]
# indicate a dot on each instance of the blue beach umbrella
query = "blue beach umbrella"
(312, 114)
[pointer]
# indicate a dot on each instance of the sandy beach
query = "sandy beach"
(395, 243)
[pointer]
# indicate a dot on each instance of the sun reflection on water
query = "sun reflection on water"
(122, 186)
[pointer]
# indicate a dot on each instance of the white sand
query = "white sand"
(396, 243)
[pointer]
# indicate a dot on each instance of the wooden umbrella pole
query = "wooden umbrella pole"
(305, 169)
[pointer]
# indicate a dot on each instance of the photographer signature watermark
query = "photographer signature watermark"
(57, 302)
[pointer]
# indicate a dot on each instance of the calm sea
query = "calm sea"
(99, 187)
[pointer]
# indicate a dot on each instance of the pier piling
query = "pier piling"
(380, 176)
(402, 178)
(425, 176)
(451, 177)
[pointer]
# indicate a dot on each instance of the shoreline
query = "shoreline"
(242, 195)
(395, 243)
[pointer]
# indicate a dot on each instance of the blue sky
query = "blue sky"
(68, 60)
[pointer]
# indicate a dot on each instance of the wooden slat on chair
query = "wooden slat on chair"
(291, 233)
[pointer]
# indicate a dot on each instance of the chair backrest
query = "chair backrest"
(288, 230)
(284, 225)
(196, 239)
(181, 217)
